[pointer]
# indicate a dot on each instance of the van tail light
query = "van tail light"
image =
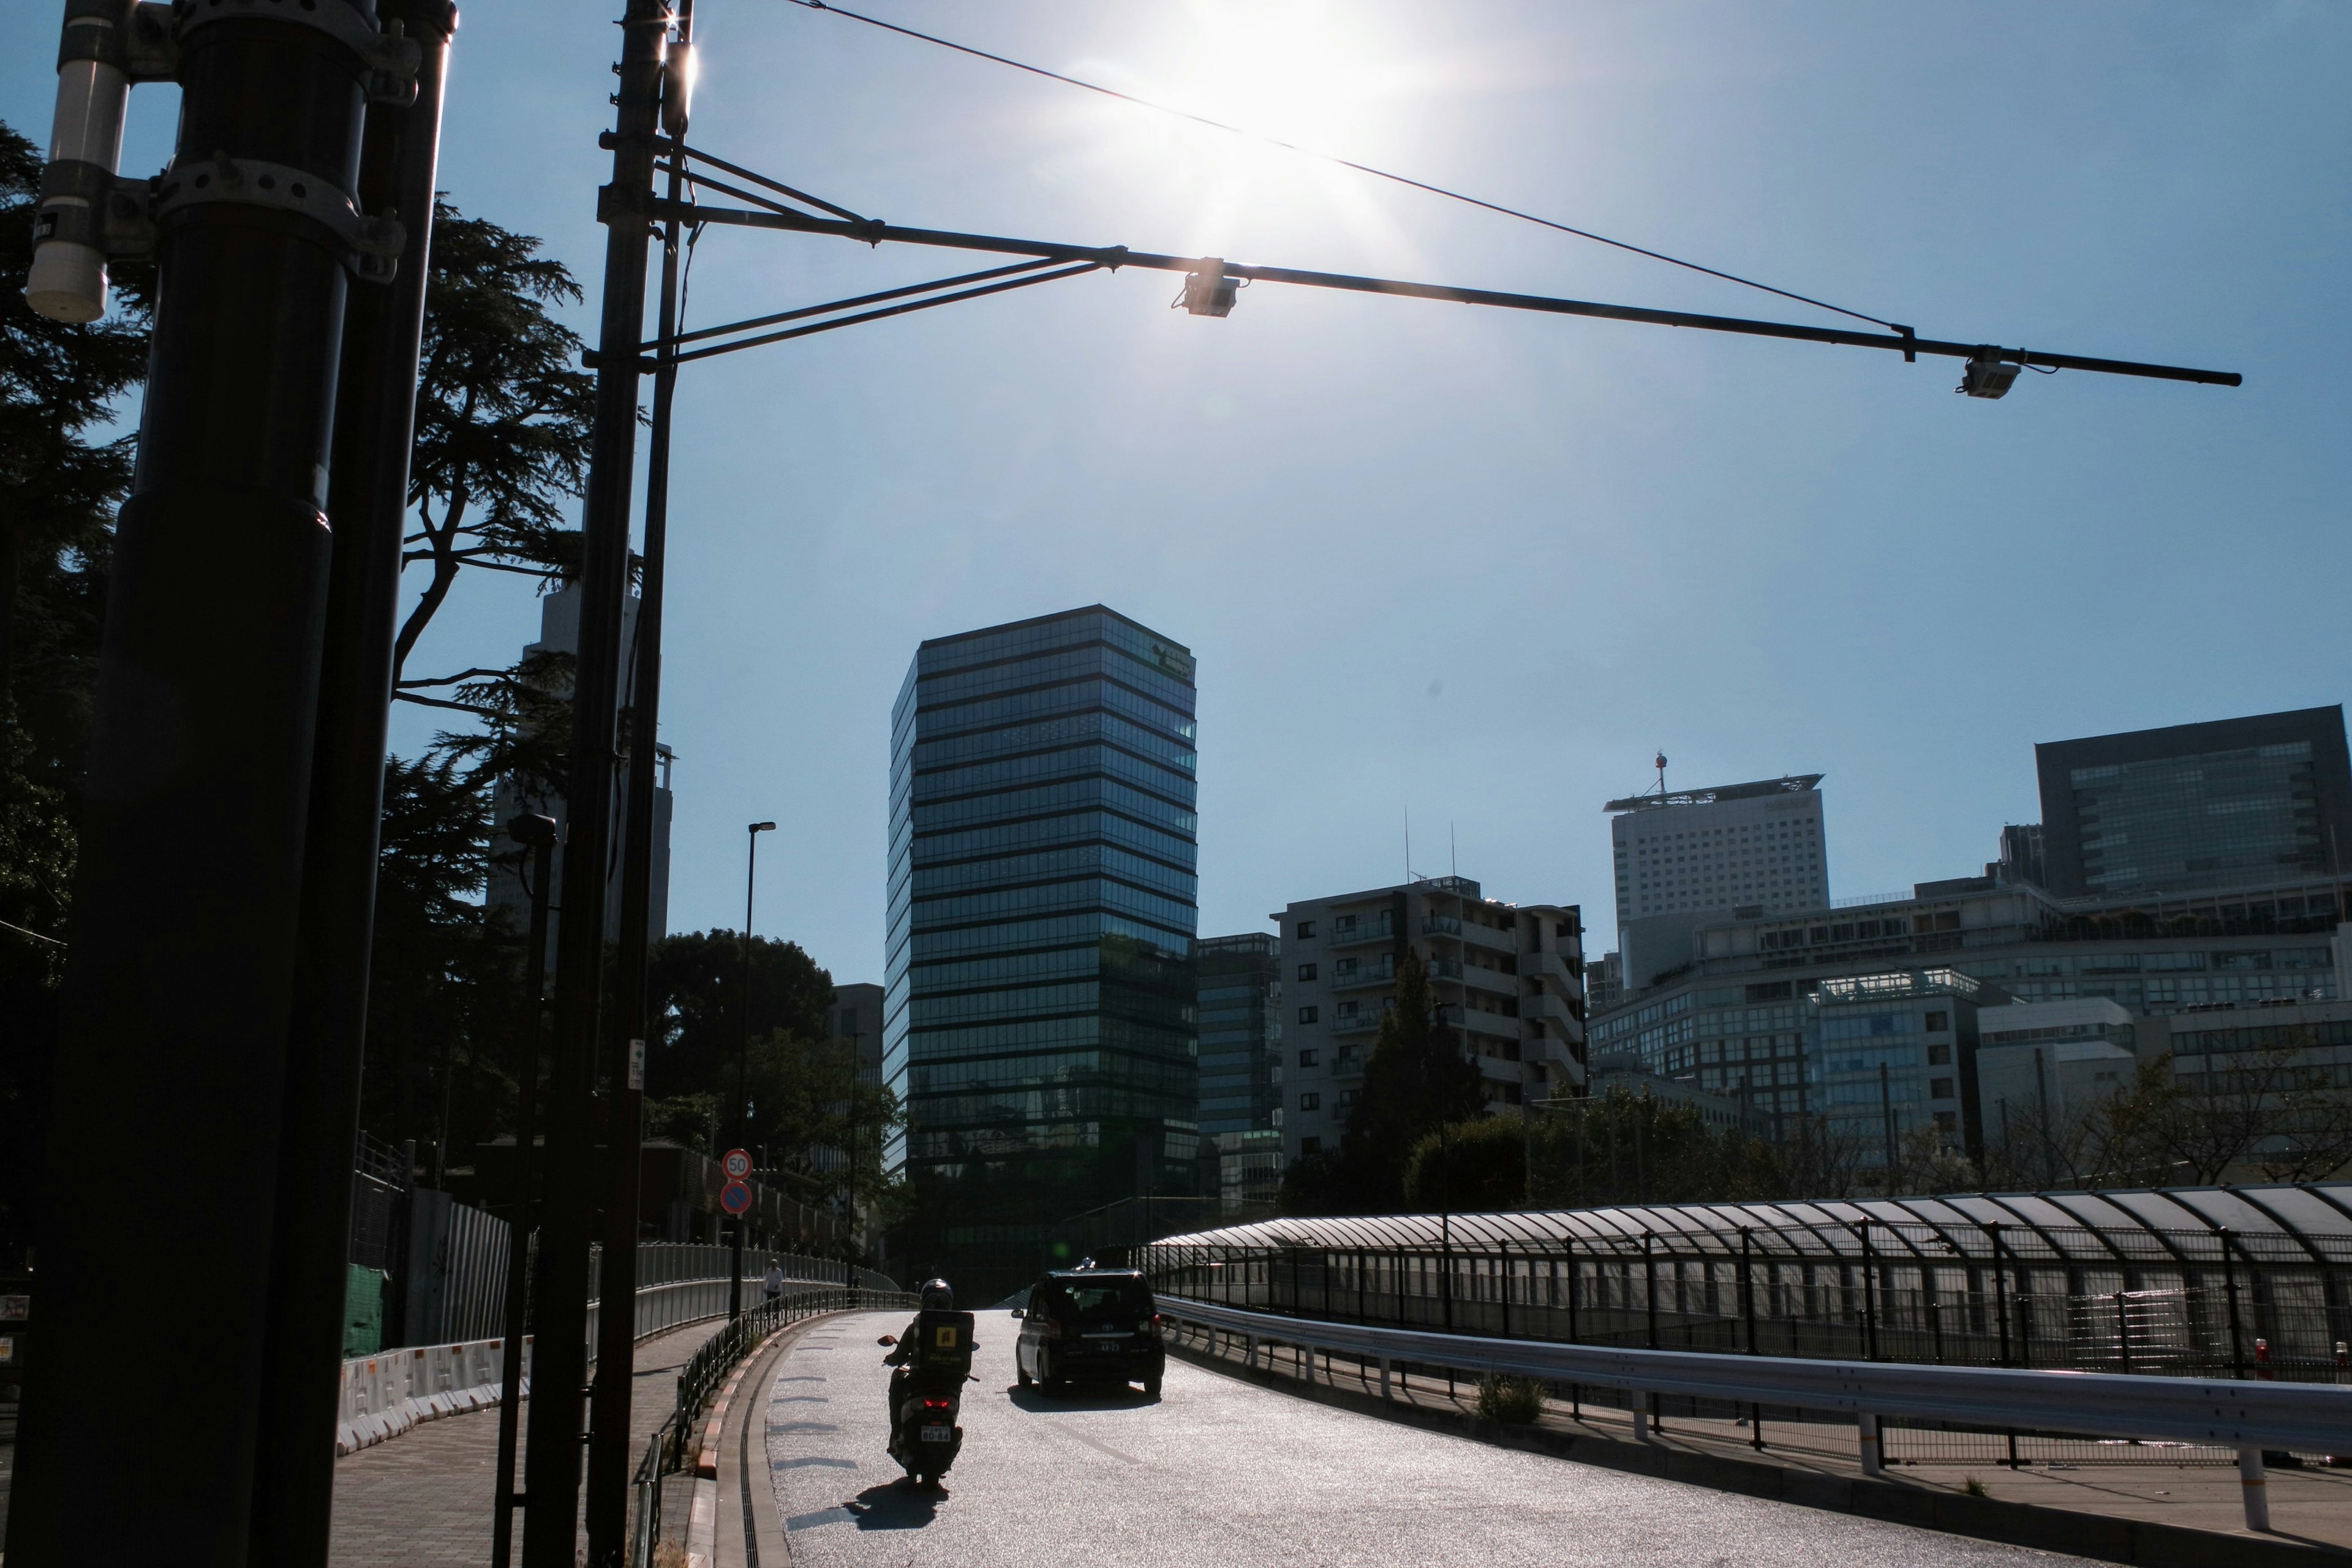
(1155, 1325)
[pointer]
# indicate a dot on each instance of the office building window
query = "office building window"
(1310, 1146)
(1939, 1089)
(1306, 928)
(1938, 1021)
(1939, 1055)
(1306, 1059)
(1306, 1015)
(1305, 972)
(1311, 1100)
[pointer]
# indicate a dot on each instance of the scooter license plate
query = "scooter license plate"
(938, 1433)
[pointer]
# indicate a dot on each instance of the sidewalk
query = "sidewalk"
(2309, 1507)
(424, 1498)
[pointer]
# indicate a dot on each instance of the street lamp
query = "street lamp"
(538, 833)
(743, 1061)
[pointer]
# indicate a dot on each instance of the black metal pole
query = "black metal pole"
(743, 1062)
(609, 1442)
(177, 1011)
(558, 1351)
(367, 499)
(539, 833)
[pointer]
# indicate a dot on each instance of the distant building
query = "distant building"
(1680, 858)
(2043, 1065)
(1249, 1171)
(1605, 983)
(2310, 1042)
(2236, 803)
(1042, 912)
(857, 1016)
(559, 632)
(1893, 1051)
(1745, 1014)
(1509, 977)
(1623, 1072)
(1240, 1024)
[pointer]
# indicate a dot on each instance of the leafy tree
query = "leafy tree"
(816, 1120)
(61, 477)
(503, 416)
(446, 1013)
(1470, 1167)
(694, 986)
(1416, 1080)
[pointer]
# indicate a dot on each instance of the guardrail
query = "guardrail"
(2247, 1416)
(670, 1446)
(384, 1394)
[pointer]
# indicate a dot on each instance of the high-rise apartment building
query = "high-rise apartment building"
(1684, 857)
(559, 633)
(2235, 803)
(1508, 977)
(1727, 848)
(1240, 1022)
(1039, 1012)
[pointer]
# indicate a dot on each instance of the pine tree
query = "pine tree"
(1417, 1080)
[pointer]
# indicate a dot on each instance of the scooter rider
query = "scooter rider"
(937, 1296)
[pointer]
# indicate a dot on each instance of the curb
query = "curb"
(2143, 1544)
(702, 1519)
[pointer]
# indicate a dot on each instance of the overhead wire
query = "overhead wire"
(1380, 173)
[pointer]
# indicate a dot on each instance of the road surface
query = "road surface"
(1223, 1474)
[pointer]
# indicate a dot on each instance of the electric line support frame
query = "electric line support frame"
(1210, 287)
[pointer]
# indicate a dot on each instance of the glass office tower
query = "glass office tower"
(1240, 1033)
(2237, 803)
(1039, 1015)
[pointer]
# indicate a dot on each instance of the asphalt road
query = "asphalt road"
(1222, 1474)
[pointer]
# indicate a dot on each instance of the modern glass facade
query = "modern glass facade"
(2238, 803)
(1891, 1049)
(1039, 1013)
(1240, 1033)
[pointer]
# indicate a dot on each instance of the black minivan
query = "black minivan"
(1090, 1325)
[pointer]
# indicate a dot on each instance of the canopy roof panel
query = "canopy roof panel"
(2150, 1225)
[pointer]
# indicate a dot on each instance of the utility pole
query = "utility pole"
(179, 999)
(743, 1063)
(609, 1458)
(367, 501)
(538, 833)
(551, 1490)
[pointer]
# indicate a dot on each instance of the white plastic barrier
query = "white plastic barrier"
(386, 1393)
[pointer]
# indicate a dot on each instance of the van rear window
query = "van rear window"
(1093, 1303)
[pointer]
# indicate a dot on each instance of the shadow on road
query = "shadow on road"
(1101, 1396)
(895, 1505)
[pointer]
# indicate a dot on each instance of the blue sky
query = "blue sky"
(1477, 564)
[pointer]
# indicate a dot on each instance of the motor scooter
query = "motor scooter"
(925, 1438)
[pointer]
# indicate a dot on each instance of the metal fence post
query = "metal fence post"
(2256, 1487)
(1873, 1461)
(2230, 1288)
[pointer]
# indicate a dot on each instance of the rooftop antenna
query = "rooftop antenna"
(1662, 775)
(1408, 844)
(1453, 860)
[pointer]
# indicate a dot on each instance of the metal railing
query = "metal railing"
(672, 1444)
(2259, 1307)
(2249, 1418)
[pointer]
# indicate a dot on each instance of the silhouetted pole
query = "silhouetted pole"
(744, 1065)
(538, 833)
(175, 1025)
(367, 501)
(609, 1456)
(558, 1351)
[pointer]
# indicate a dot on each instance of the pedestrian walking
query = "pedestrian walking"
(774, 1281)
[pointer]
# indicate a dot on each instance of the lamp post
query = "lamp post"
(539, 834)
(744, 1059)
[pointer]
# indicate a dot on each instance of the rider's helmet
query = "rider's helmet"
(939, 1295)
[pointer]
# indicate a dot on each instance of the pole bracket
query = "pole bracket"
(83, 204)
(137, 38)
(368, 246)
(388, 56)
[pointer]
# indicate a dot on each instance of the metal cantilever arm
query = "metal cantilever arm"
(873, 231)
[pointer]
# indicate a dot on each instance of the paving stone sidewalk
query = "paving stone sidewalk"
(424, 1498)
